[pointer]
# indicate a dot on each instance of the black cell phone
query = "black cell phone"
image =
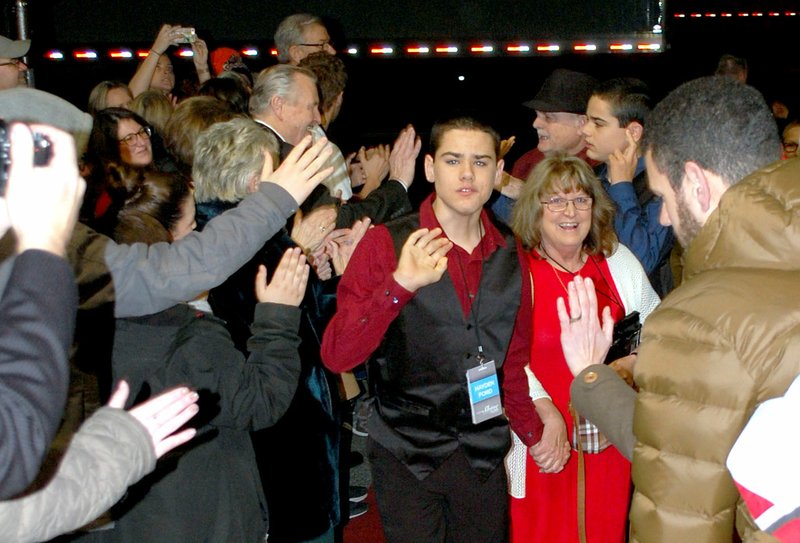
(627, 334)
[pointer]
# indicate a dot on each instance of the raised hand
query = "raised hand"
(505, 146)
(622, 162)
(166, 36)
(422, 260)
(161, 415)
(583, 339)
(300, 171)
(43, 201)
(403, 158)
(355, 170)
(288, 284)
(200, 59)
(375, 163)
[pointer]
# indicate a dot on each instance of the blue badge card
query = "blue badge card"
(484, 392)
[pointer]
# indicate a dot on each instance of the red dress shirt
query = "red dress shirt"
(527, 162)
(369, 299)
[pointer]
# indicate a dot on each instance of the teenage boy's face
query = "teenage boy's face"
(464, 172)
(602, 131)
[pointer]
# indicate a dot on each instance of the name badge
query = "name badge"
(484, 392)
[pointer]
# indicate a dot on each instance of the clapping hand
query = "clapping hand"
(403, 157)
(309, 231)
(341, 244)
(300, 172)
(288, 283)
(161, 415)
(375, 164)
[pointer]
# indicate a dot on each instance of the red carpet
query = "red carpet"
(366, 528)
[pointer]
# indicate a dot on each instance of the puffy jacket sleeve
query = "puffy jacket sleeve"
(110, 452)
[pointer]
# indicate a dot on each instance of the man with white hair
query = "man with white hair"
(560, 115)
(299, 35)
(285, 100)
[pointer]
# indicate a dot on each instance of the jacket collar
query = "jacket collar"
(757, 224)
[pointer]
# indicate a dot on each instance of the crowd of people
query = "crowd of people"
(191, 277)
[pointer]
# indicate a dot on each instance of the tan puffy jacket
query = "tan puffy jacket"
(727, 339)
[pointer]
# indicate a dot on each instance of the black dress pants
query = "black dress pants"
(454, 504)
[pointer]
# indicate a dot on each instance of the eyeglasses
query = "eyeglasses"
(13, 62)
(558, 204)
(789, 146)
(321, 45)
(130, 139)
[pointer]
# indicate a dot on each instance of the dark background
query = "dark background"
(384, 94)
(65, 21)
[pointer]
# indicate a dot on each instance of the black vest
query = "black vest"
(422, 412)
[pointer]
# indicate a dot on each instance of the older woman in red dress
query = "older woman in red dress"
(565, 221)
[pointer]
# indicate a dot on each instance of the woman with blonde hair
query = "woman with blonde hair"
(565, 222)
(109, 94)
(154, 107)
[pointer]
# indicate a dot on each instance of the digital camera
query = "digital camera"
(42, 151)
(188, 35)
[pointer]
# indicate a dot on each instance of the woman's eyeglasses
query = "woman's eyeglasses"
(558, 204)
(130, 139)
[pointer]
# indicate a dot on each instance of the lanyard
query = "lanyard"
(475, 307)
(610, 294)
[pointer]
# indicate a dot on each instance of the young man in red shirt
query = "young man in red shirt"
(433, 301)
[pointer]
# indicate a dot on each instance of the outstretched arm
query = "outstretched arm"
(148, 279)
(140, 82)
(112, 450)
(597, 391)
(200, 60)
(256, 392)
(37, 308)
